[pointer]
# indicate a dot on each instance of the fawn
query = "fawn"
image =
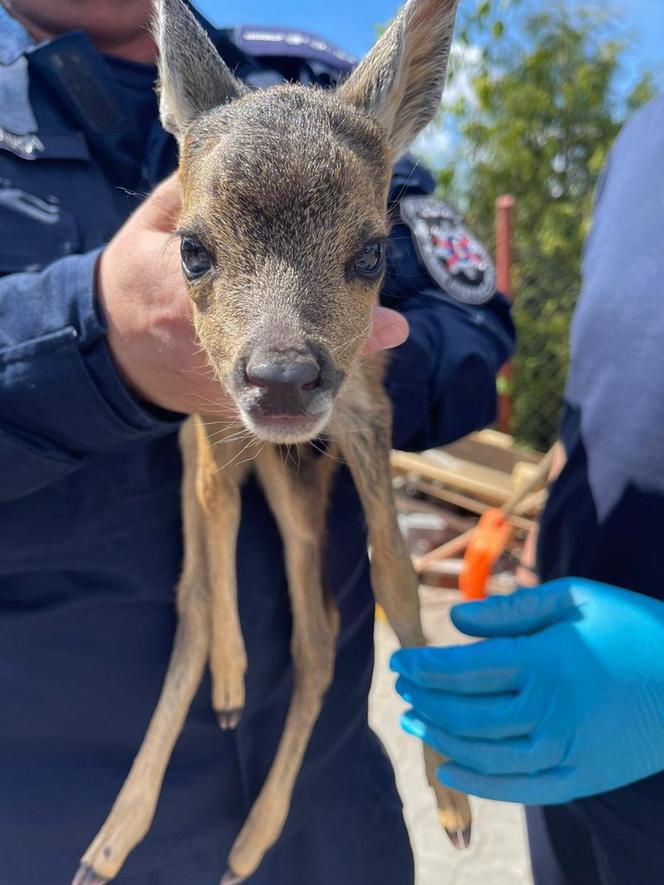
(283, 231)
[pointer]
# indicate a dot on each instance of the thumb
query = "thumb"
(389, 329)
(527, 611)
(161, 209)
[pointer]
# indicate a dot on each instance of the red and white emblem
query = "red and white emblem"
(458, 262)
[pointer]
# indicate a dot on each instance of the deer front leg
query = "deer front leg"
(132, 813)
(299, 502)
(221, 466)
(367, 451)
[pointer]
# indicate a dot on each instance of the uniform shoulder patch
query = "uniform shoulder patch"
(454, 258)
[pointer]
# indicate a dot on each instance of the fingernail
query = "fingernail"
(402, 689)
(412, 726)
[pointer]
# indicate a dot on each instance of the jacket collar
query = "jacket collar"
(17, 121)
(14, 39)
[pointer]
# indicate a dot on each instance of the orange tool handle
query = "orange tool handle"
(486, 545)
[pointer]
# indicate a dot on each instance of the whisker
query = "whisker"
(325, 452)
(238, 436)
(220, 404)
(225, 424)
(253, 457)
(235, 436)
(404, 187)
(139, 194)
(235, 457)
(231, 427)
(352, 340)
(283, 463)
(229, 423)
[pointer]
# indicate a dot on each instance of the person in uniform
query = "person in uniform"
(97, 368)
(562, 708)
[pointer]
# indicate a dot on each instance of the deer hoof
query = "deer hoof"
(460, 838)
(228, 721)
(87, 876)
(230, 878)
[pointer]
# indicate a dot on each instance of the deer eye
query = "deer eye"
(369, 263)
(196, 259)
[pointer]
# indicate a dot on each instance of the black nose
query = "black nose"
(280, 378)
(301, 373)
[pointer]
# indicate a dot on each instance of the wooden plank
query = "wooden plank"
(495, 438)
(504, 441)
(534, 503)
(491, 449)
(465, 502)
(452, 548)
(471, 449)
(408, 504)
(489, 485)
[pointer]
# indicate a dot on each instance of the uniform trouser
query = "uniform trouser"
(354, 836)
(372, 848)
(613, 839)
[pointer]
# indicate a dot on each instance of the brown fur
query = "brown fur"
(284, 188)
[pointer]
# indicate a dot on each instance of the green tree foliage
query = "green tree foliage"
(542, 123)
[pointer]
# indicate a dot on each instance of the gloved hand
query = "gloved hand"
(564, 699)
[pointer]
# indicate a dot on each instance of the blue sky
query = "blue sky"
(350, 23)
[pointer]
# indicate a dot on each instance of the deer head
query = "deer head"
(284, 224)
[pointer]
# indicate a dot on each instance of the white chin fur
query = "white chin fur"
(282, 434)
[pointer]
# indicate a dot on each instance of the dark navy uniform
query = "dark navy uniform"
(605, 513)
(90, 535)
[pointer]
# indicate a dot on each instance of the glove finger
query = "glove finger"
(478, 668)
(471, 716)
(542, 788)
(518, 755)
(522, 613)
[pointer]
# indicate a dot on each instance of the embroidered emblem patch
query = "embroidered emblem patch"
(25, 146)
(457, 262)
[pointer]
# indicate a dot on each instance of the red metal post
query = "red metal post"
(504, 207)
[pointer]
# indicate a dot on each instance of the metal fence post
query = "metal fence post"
(504, 207)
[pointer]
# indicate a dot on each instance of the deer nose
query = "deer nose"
(297, 374)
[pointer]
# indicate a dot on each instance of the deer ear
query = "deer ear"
(192, 75)
(400, 83)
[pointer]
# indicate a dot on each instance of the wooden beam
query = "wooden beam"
(490, 485)
(445, 551)
(465, 502)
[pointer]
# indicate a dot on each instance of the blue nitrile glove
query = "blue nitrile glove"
(564, 699)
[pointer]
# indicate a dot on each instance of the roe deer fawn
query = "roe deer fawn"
(283, 230)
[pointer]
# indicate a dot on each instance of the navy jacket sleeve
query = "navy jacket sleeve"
(61, 400)
(442, 381)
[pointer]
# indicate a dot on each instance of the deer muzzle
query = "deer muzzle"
(286, 392)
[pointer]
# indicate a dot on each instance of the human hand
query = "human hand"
(149, 314)
(564, 699)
